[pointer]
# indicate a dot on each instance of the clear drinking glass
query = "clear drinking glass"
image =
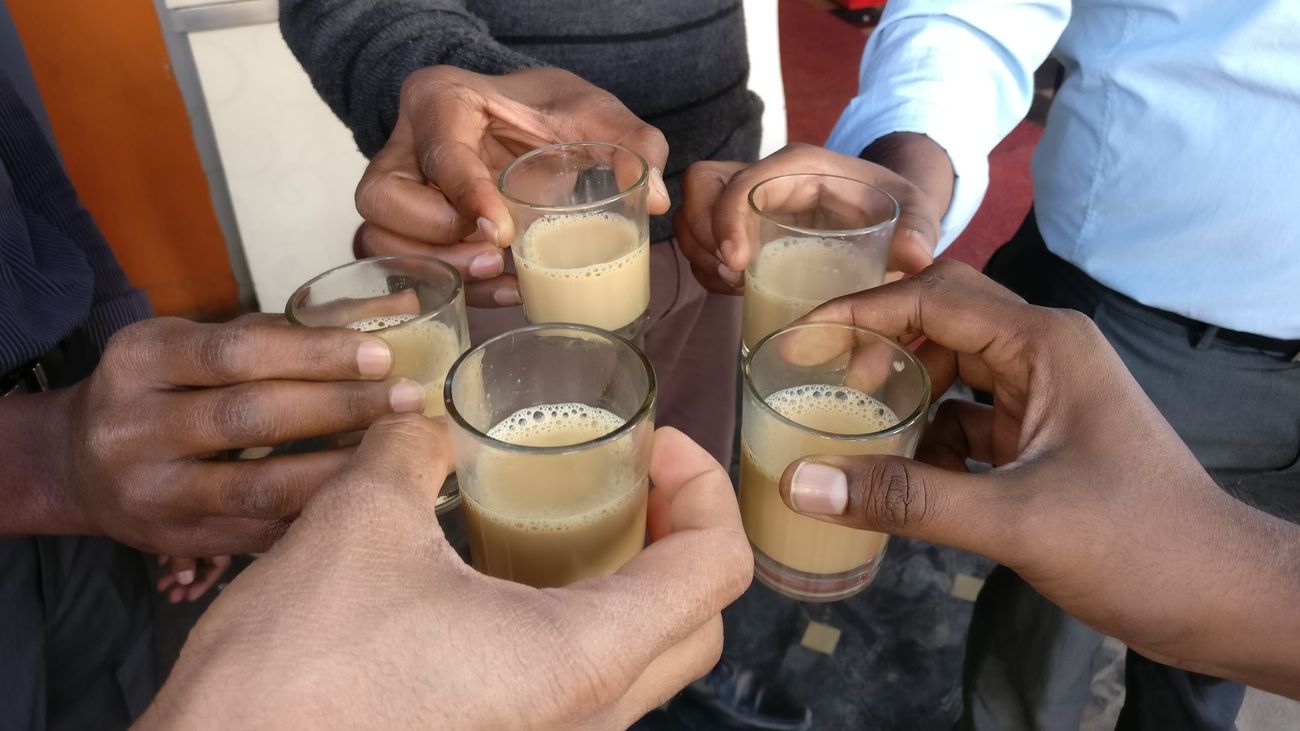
(819, 237)
(582, 234)
(552, 427)
(821, 388)
(415, 303)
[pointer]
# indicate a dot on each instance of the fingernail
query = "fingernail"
(507, 297)
(733, 278)
(487, 265)
(727, 249)
(488, 229)
(657, 180)
(374, 358)
(406, 397)
(185, 578)
(819, 489)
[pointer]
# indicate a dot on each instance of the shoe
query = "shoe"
(743, 699)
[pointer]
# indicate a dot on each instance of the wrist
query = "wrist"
(917, 158)
(1251, 564)
(36, 483)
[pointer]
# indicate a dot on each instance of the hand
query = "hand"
(1094, 500)
(712, 226)
(364, 617)
(432, 190)
(190, 578)
(148, 429)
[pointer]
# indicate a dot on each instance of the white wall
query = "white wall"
(765, 70)
(291, 166)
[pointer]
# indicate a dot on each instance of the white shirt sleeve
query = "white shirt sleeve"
(958, 71)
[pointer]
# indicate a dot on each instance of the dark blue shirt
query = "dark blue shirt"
(57, 273)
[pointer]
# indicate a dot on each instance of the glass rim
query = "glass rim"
(640, 183)
(647, 403)
(918, 413)
(825, 232)
(458, 286)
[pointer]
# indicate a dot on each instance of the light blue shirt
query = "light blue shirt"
(1170, 166)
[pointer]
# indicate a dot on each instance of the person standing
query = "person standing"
(112, 424)
(1164, 209)
(442, 94)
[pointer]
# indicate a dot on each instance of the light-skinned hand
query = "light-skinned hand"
(363, 616)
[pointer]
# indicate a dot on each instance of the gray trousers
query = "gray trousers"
(1029, 664)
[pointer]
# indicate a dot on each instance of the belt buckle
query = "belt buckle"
(27, 379)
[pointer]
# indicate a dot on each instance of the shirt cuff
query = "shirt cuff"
(856, 130)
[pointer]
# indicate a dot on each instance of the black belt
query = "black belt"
(27, 378)
(1203, 333)
(1026, 266)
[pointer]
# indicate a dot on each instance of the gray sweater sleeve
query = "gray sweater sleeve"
(358, 53)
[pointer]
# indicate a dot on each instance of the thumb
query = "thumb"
(916, 235)
(613, 122)
(648, 143)
(403, 458)
(901, 497)
(384, 497)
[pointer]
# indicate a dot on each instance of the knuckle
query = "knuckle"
(108, 440)
(736, 559)
(600, 104)
(265, 535)
(700, 172)
(645, 135)
(361, 401)
(222, 352)
(1073, 323)
(413, 426)
(239, 416)
(244, 495)
(428, 81)
(372, 195)
(479, 187)
(430, 154)
(944, 270)
(332, 356)
(129, 337)
(696, 170)
(1067, 330)
(133, 346)
(898, 499)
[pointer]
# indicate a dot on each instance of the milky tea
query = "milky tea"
(550, 519)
